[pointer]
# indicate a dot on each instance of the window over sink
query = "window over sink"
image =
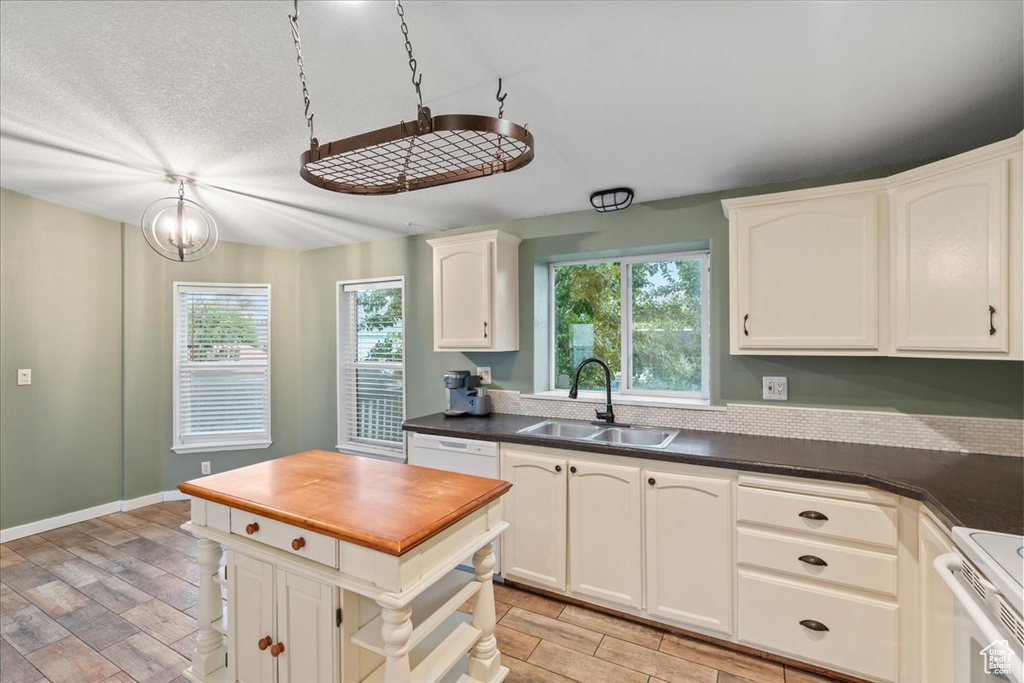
(646, 316)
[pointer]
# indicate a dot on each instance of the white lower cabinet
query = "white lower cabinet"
(535, 544)
(298, 644)
(605, 532)
(936, 612)
(689, 562)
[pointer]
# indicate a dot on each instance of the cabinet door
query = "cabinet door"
(307, 627)
(535, 508)
(936, 606)
(604, 532)
(806, 275)
(689, 549)
(250, 619)
(462, 295)
(951, 256)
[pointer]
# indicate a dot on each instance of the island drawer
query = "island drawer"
(839, 519)
(791, 618)
(818, 560)
(292, 539)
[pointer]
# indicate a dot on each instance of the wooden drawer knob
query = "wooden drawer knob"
(252, 528)
(298, 543)
(264, 643)
(277, 649)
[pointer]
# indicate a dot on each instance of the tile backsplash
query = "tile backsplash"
(933, 432)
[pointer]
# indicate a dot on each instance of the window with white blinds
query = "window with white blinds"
(221, 367)
(371, 367)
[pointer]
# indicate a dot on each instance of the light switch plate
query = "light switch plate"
(485, 375)
(24, 377)
(775, 388)
(205, 467)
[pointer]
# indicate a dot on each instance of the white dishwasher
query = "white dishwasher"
(479, 458)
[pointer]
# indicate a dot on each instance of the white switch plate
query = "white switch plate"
(775, 388)
(24, 377)
(205, 467)
(485, 375)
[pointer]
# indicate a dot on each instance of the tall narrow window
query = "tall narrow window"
(221, 367)
(371, 367)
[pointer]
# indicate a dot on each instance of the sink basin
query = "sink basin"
(561, 430)
(636, 436)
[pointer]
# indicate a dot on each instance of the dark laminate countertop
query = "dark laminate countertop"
(978, 491)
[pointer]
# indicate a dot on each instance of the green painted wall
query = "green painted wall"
(60, 306)
(150, 464)
(969, 387)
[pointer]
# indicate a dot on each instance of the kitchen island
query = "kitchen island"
(342, 568)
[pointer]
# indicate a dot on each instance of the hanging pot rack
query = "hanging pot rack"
(412, 155)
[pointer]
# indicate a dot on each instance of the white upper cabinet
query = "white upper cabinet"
(476, 292)
(805, 274)
(951, 260)
(926, 263)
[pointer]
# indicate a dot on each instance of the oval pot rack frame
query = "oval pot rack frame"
(427, 152)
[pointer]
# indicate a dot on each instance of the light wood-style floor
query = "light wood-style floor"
(114, 599)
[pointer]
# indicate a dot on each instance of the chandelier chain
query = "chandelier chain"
(294, 19)
(416, 79)
(181, 189)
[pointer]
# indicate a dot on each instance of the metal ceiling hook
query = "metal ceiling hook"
(501, 101)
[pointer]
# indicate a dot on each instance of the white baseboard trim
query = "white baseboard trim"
(15, 532)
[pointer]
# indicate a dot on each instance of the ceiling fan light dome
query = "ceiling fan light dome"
(179, 229)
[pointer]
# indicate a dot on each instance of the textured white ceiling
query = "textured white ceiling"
(100, 101)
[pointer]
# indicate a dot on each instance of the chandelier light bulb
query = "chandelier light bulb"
(179, 229)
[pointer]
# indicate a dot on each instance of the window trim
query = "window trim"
(360, 447)
(626, 318)
(178, 444)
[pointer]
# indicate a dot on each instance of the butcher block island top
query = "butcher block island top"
(385, 506)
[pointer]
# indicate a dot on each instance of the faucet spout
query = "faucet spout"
(608, 415)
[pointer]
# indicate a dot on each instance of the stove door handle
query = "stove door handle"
(947, 566)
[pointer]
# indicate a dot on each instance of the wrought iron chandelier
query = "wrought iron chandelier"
(427, 152)
(179, 229)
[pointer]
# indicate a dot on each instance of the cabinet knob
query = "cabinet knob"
(298, 543)
(813, 560)
(651, 481)
(252, 528)
(278, 648)
(264, 642)
(558, 468)
(815, 515)
(573, 469)
(814, 625)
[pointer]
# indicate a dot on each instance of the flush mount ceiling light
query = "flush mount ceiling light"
(179, 229)
(430, 151)
(611, 200)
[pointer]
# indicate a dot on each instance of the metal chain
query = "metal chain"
(181, 189)
(294, 19)
(416, 80)
(501, 101)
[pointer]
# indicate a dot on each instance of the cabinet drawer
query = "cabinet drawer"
(865, 569)
(861, 635)
(838, 519)
(316, 547)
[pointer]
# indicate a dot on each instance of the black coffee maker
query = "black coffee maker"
(465, 395)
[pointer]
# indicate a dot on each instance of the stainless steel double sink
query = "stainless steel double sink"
(644, 437)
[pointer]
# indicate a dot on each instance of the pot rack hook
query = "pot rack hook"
(501, 101)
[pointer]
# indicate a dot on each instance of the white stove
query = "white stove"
(986, 577)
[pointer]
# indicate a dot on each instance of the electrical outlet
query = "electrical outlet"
(485, 375)
(24, 377)
(775, 388)
(205, 467)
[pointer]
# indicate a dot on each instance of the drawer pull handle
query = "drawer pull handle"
(298, 543)
(651, 481)
(745, 318)
(558, 468)
(252, 528)
(278, 648)
(264, 642)
(814, 625)
(991, 320)
(813, 560)
(814, 514)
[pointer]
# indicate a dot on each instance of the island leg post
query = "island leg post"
(208, 655)
(396, 630)
(484, 658)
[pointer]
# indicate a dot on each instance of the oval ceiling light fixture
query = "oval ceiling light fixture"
(179, 229)
(616, 199)
(412, 155)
